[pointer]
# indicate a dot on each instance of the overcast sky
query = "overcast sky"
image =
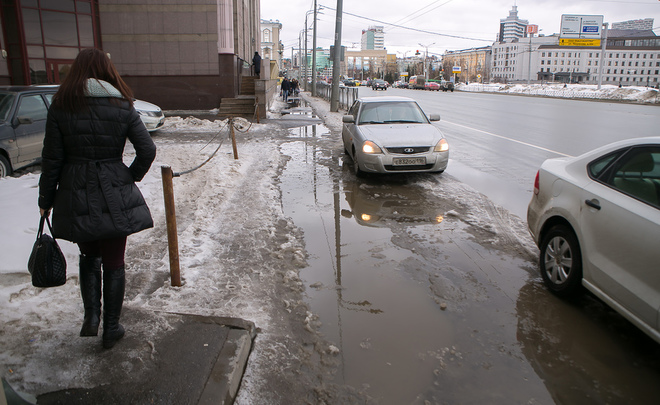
(476, 22)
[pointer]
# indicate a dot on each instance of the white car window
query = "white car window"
(638, 175)
(391, 112)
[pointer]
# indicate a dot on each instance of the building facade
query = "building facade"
(512, 27)
(373, 38)
(271, 46)
(629, 60)
(182, 54)
(642, 24)
(363, 65)
(474, 63)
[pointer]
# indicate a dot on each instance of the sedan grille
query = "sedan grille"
(391, 168)
(407, 150)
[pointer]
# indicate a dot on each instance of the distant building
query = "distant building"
(474, 63)
(632, 58)
(271, 46)
(373, 38)
(366, 64)
(512, 28)
(642, 24)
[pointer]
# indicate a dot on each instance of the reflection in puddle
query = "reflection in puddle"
(376, 315)
(377, 205)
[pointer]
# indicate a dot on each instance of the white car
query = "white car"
(596, 221)
(393, 135)
(150, 114)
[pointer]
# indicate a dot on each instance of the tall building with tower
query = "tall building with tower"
(512, 27)
(373, 38)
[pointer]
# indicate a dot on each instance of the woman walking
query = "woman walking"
(91, 192)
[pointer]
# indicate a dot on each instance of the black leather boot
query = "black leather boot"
(90, 289)
(114, 282)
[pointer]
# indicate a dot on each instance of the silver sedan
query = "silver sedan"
(393, 135)
(596, 221)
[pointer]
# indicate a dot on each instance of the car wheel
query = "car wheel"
(356, 166)
(561, 261)
(5, 167)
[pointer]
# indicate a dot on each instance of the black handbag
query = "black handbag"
(47, 264)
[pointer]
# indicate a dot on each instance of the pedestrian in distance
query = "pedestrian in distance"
(286, 86)
(256, 62)
(93, 196)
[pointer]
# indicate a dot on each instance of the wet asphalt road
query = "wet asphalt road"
(429, 288)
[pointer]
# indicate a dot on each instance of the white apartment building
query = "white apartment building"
(631, 58)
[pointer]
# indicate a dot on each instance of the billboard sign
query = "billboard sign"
(532, 29)
(581, 26)
(580, 30)
(456, 69)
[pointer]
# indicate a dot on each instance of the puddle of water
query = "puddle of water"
(506, 194)
(384, 258)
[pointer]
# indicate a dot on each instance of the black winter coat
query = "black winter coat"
(92, 192)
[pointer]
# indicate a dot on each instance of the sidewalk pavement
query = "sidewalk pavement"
(200, 360)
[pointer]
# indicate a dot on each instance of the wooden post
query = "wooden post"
(256, 104)
(233, 137)
(170, 218)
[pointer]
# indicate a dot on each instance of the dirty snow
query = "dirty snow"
(637, 94)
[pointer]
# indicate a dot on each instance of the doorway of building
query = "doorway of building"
(57, 70)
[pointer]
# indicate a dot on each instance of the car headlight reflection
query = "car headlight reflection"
(371, 148)
(441, 146)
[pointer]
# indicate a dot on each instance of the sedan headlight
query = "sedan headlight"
(441, 146)
(371, 148)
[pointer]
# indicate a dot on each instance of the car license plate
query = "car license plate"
(408, 161)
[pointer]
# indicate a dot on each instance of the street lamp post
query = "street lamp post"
(426, 56)
(306, 64)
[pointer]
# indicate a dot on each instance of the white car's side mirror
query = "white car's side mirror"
(349, 119)
(434, 117)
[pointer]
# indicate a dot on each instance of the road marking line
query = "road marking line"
(509, 139)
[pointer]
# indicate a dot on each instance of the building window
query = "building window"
(55, 32)
(266, 35)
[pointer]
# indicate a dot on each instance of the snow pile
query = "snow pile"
(639, 94)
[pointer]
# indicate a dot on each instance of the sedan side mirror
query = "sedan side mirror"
(24, 120)
(349, 119)
(434, 117)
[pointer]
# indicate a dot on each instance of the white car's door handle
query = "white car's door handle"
(593, 203)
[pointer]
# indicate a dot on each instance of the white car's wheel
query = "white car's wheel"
(561, 261)
(356, 166)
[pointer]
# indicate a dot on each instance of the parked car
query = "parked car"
(596, 221)
(447, 86)
(379, 85)
(23, 112)
(432, 86)
(349, 83)
(393, 135)
(150, 114)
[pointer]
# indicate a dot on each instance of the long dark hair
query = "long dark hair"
(89, 64)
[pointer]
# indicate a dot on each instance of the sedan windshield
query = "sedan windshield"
(391, 112)
(6, 101)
